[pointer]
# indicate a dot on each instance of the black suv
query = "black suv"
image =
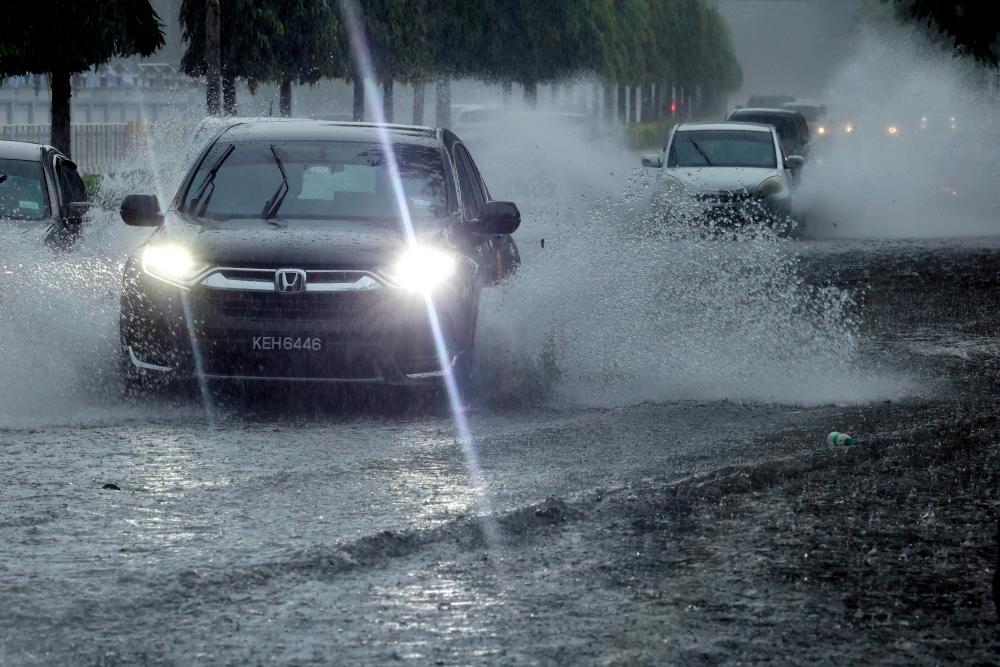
(303, 250)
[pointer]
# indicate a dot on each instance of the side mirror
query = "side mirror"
(76, 210)
(794, 162)
(497, 217)
(142, 211)
(653, 161)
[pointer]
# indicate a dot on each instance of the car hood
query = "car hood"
(287, 243)
(717, 179)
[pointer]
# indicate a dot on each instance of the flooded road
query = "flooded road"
(308, 532)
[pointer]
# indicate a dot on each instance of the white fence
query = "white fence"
(95, 147)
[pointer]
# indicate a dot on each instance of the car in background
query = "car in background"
(41, 193)
(310, 251)
(791, 126)
(771, 101)
(729, 167)
(815, 114)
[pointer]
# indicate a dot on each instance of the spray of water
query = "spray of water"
(625, 303)
(921, 157)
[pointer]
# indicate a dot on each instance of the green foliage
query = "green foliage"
(686, 42)
(93, 184)
(268, 40)
(69, 36)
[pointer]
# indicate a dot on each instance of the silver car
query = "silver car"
(727, 166)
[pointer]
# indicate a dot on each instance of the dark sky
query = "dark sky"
(790, 46)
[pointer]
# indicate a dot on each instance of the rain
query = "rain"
(611, 332)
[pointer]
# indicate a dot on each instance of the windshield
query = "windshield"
(325, 180)
(722, 148)
(22, 190)
(784, 124)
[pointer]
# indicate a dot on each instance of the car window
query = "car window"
(71, 186)
(334, 180)
(472, 193)
(22, 192)
(722, 148)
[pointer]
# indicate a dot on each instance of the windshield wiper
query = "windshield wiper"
(703, 154)
(274, 203)
(196, 201)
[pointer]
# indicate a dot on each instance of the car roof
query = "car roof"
(725, 125)
(763, 110)
(21, 150)
(804, 103)
(303, 129)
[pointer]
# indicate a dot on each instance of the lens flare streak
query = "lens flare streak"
(365, 69)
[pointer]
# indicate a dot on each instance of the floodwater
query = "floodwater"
(311, 528)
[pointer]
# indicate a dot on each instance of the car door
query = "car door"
(473, 196)
(70, 189)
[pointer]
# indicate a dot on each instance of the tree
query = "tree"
(90, 34)
(397, 41)
(247, 31)
(530, 42)
(972, 26)
(307, 47)
(283, 41)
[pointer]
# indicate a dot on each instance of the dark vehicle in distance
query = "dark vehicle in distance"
(815, 114)
(771, 101)
(791, 126)
(300, 250)
(40, 190)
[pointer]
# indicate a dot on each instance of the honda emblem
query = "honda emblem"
(290, 281)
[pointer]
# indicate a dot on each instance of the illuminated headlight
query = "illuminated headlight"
(771, 186)
(170, 263)
(892, 130)
(848, 128)
(422, 268)
(821, 131)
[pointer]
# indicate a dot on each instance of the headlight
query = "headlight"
(821, 131)
(848, 128)
(892, 130)
(422, 268)
(771, 186)
(170, 263)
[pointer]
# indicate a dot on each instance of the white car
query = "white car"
(727, 165)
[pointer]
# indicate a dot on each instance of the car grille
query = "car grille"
(274, 306)
(727, 197)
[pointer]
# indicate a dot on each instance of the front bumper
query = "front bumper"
(368, 333)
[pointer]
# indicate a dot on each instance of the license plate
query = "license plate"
(286, 343)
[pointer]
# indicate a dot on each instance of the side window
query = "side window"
(472, 193)
(71, 187)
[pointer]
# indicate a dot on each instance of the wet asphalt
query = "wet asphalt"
(305, 533)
